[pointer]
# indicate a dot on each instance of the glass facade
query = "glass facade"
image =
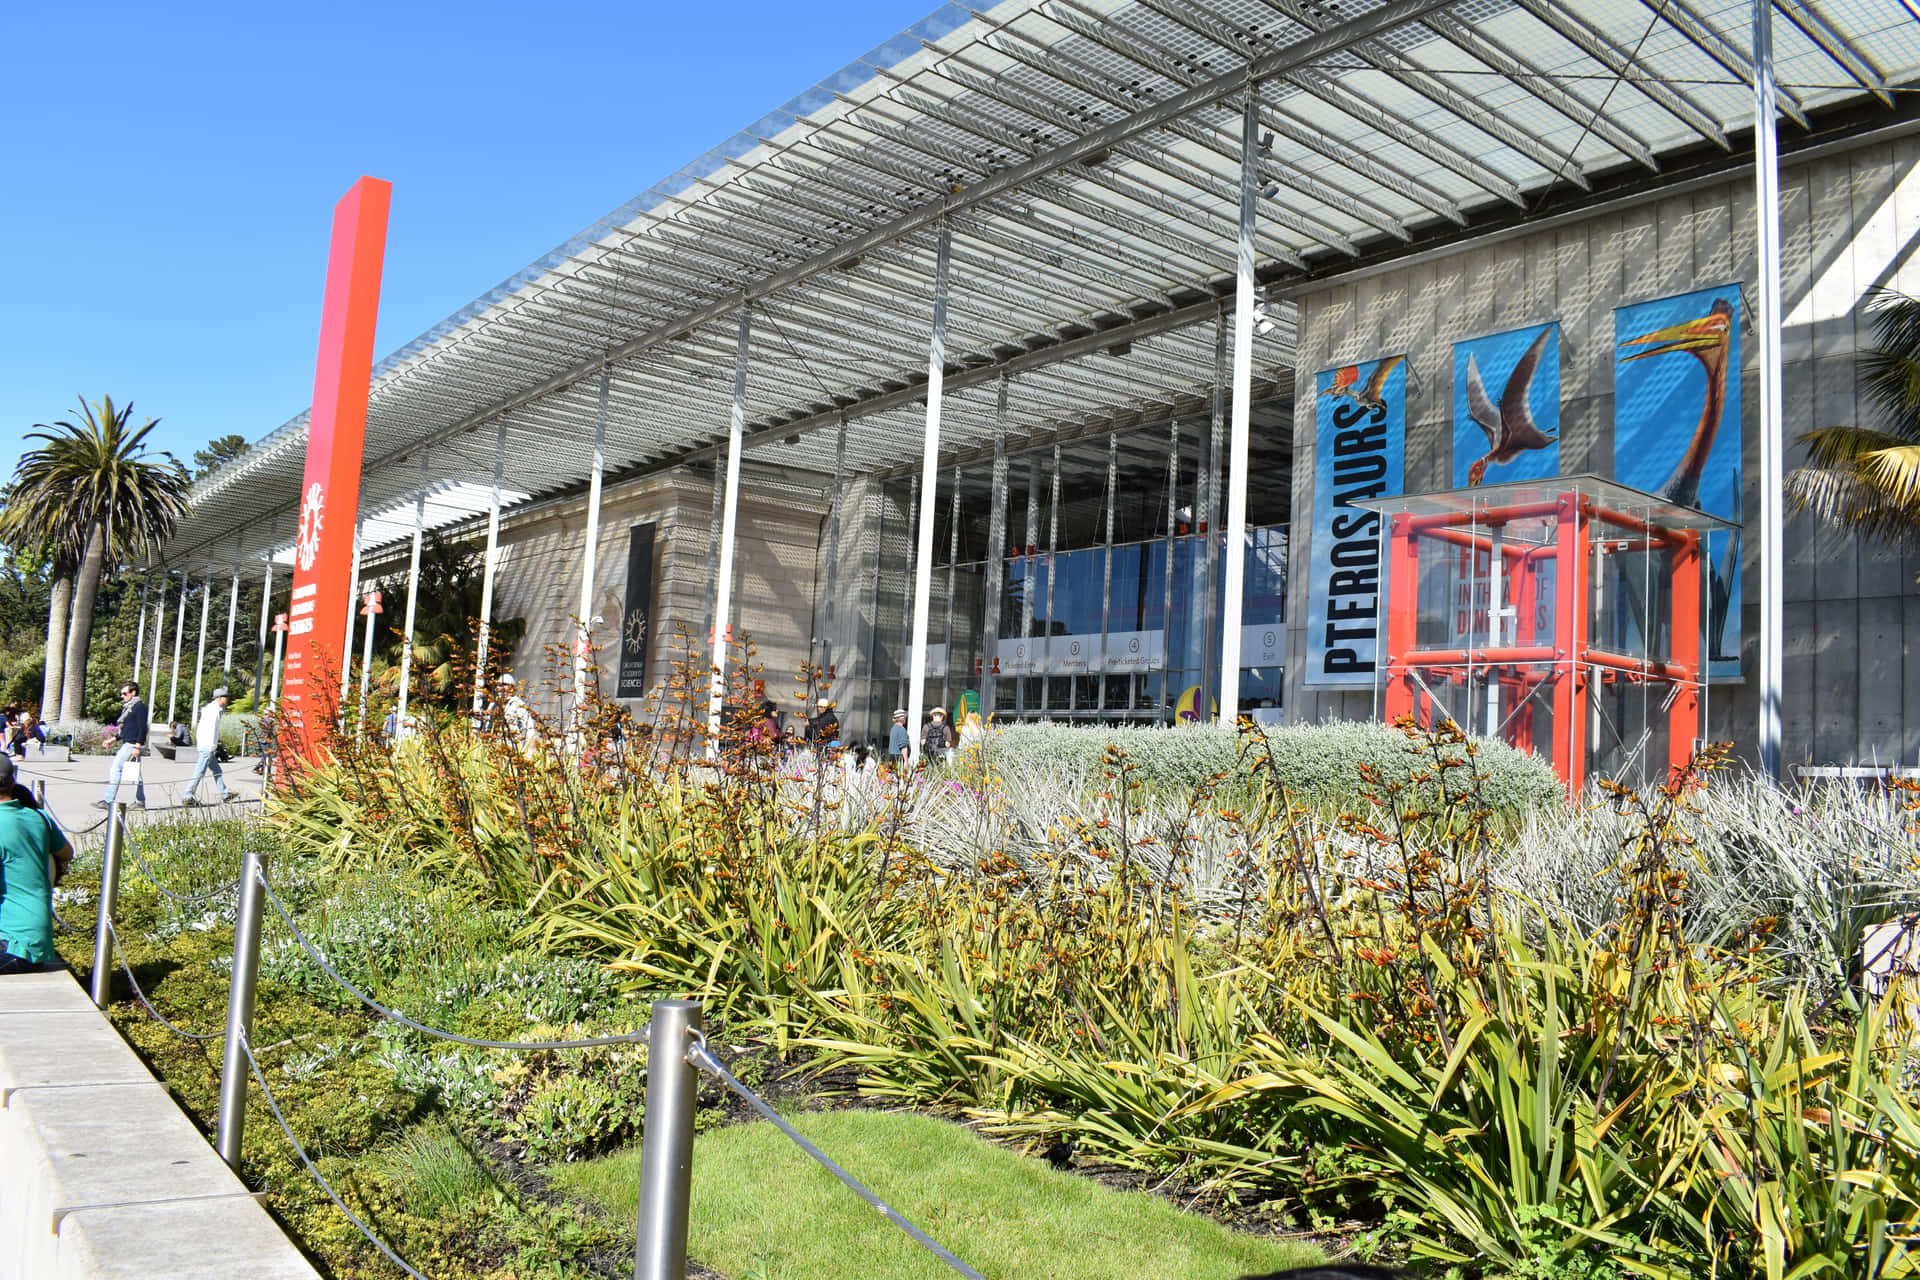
(1106, 604)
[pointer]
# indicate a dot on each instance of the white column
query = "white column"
(367, 629)
(279, 652)
(583, 637)
(159, 631)
(489, 565)
(179, 630)
(233, 616)
(996, 558)
(260, 648)
(1766, 175)
(729, 519)
(413, 596)
(200, 643)
(353, 614)
(140, 632)
(1234, 577)
(929, 485)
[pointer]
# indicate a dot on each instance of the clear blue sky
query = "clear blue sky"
(168, 172)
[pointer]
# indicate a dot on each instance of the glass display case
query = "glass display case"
(1562, 615)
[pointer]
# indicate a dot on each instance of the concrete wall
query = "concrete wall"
(1849, 222)
(103, 1174)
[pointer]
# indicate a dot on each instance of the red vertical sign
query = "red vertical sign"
(330, 491)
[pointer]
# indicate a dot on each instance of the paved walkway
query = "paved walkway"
(73, 786)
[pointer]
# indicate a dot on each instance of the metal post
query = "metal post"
(366, 665)
(179, 630)
(489, 566)
(1236, 530)
(140, 631)
(260, 647)
(833, 546)
(233, 617)
(279, 652)
(1026, 582)
(109, 897)
(1053, 575)
(1766, 174)
(1496, 624)
(159, 632)
(666, 1143)
(929, 482)
(353, 613)
(1209, 520)
(583, 638)
(246, 967)
(1106, 577)
(729, 522)
(413, 600)
(200, 644)
(1169, 696)
(953, 588)
(996, 585)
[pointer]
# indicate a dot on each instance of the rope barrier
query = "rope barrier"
(141, 996)
(524, 1046)
(273, 1105)
(701, 1057)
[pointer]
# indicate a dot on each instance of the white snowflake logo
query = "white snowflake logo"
(306, 543)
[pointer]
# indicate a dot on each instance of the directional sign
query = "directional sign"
(372, 606)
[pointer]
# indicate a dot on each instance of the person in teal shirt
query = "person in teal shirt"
(33, 854)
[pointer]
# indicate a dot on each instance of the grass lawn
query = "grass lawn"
(763, 1211)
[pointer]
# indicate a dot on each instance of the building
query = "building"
(1016, 324)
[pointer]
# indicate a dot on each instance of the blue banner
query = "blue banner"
(1360, 453)
(1506, 407)
(1676, 431)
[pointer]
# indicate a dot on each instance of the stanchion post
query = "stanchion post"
(246, 967)
(109, 893)
(666, 1145)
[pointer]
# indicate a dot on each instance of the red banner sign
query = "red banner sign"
(330, 491)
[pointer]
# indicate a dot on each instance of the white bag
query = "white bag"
(130, 774)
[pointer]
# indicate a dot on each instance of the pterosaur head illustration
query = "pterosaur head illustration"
(1509, 425)
(1371, 394)
(1708, 339)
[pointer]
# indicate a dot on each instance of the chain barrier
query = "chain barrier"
(126, 967)
(273, 1105)
(392, 1015)
(702, 1057)
(189, 899)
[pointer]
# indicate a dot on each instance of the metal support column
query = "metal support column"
(102, 975)
(413, 600)
(490, 566)
(729, 523)
(583, 637)
(828, 666)
(1053, 573)
(1208, 519)
(996, 584)
(179, 630)
(140, 632)
(159, 634)
(260, 648)
(929, 484)
(1026, 550)
(233, 617)
(1766, 175)
(200, 644)
(1236, 529)
(1106, 577)
(353, 615)
(953, 592)
(666, 1143)
(1169, 696)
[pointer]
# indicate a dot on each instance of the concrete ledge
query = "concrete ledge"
(103, 1174)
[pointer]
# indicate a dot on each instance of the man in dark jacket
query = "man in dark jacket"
(823, 727)
(133, 741)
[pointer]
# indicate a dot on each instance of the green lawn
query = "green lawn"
(763, 1211)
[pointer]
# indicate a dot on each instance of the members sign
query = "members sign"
(1360, 453)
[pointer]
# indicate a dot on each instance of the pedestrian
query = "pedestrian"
(899, 741)
(823, 727)
(936, 739)
(33, 856)
(206, 750)
(131, 726)
(515, 713)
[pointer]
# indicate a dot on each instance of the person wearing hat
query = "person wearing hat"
(206, 749)
(514, 708)
(936, 739)
(33, 856)
(823, 727)
(899, 741)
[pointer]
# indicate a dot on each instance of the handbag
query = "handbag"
(130, 774)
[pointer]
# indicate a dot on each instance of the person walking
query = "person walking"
(132, 726)
(33, 856)
(899, 741)
(206, 748)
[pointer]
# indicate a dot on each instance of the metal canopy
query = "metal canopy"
(1085, 154)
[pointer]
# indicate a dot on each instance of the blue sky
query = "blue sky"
(168, 172)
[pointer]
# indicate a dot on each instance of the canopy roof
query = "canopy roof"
(1086, 155)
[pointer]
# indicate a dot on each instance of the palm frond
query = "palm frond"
(1848, 497)
(1895, 471)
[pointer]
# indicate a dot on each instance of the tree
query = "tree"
(1868, 478)
(219, 451)
(445, 623)
(92, 492)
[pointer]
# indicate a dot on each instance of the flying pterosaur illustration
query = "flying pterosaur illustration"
(1707, 339)
(1510, 427)
(1345, 383)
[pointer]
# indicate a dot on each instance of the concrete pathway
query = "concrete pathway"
(73, 786)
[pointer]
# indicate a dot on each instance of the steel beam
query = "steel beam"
(929, 482)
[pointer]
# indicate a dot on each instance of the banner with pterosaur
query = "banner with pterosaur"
(1360, 418)
(1506, 407)
(1676, 430)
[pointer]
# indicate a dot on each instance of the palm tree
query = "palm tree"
(90, 492)
(1868, 478)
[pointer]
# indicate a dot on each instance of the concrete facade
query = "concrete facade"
(1849, 222)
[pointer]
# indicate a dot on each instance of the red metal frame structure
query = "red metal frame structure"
(1529, 599)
